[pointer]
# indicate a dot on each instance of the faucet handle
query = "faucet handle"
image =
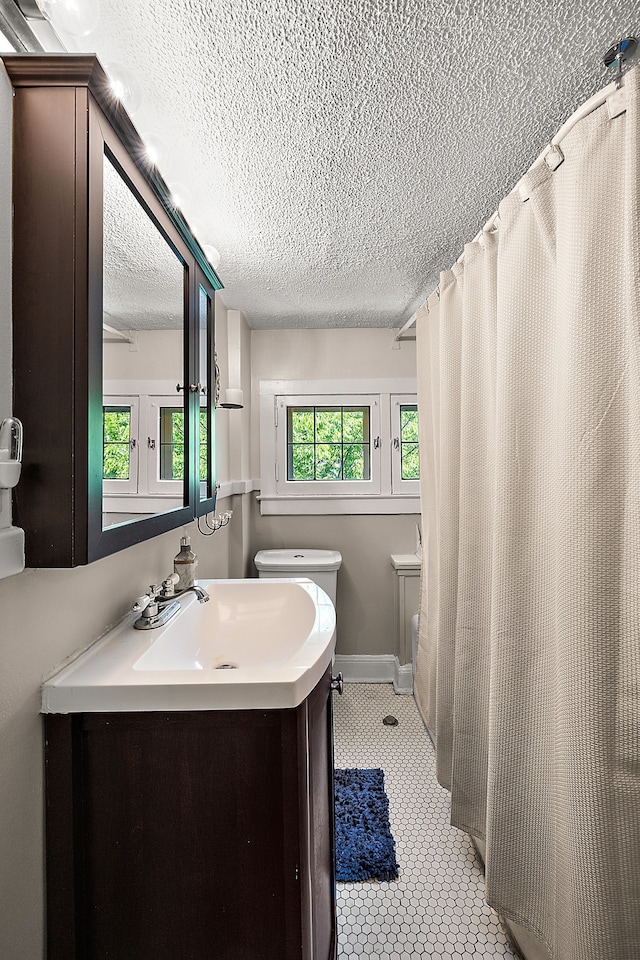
(168, 585)
(141, 603)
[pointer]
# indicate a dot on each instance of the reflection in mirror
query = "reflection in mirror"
(204, 331)
(143, 356)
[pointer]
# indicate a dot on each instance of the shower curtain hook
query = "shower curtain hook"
(618, 54)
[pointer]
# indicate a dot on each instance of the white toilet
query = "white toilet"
(321, 566)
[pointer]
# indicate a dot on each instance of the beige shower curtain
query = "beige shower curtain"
(528, 669)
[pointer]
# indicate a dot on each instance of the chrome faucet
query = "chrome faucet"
(160, 604)
(200, 593)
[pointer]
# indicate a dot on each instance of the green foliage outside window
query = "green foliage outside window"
(116, 424)
(172, 443)
(409, 450)
(116, 443)
(328, 443)
(204, 447)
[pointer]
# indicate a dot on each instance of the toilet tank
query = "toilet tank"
(321, 566)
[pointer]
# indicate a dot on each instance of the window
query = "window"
(327, 446)
(338, 450)
(405, 463)
(328, 443)
(116, 443)
(409, 454)
(143, 451)
(154, 426)
(203, 448)
(171, 430)
(171, 443)
(120, 417)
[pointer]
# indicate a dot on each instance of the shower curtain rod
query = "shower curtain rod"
(593, 103)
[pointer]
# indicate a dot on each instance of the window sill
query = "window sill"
(141, 503)
(326, 506)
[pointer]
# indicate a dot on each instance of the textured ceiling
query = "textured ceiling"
(143, 279)
(339, 155)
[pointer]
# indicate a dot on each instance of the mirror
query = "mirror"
(144, 387)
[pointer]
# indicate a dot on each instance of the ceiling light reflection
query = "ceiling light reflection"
(213, 256)
(180, 196)
(75, 17)
(124, 86)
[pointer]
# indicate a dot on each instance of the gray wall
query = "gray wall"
(365, 605)
(366, 581)
(45, 617)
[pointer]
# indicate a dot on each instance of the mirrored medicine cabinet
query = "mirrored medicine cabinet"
(113, 325)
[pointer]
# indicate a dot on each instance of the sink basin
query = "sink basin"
(257, 644)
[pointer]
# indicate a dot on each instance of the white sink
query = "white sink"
(256, 644)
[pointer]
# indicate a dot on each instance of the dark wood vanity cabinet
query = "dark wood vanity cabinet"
(191, 836)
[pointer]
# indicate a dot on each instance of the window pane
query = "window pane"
(117, 424)
(115, 461)
(410, 461)
(409, 423)
(116, 430)
(301, 424)
(328, 461)
(328, 443)
(409, 450)
(328, 425)
(301, 461)
(354, 425)
(354, 462)
(171, 443)
(177, 462)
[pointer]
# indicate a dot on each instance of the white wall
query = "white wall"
(366, 582)
(124, 361)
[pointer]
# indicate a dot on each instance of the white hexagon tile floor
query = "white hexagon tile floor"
(436, 908)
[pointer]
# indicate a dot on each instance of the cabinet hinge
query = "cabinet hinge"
(277, 471)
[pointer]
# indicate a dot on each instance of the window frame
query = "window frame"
(124, 487)
(281, 496)
(398, 485)
(150, 494)
(345, 488)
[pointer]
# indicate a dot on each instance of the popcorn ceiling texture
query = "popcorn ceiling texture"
(339, 155)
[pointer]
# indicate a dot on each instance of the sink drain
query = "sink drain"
(227, 666)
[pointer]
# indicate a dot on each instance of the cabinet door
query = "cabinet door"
(321, 828)
(192, 836)
(173, 836)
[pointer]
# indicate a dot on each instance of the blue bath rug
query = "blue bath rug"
(365, 848)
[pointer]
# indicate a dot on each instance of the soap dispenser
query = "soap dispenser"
(185, 565)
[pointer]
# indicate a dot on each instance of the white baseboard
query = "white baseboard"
(367, 668)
